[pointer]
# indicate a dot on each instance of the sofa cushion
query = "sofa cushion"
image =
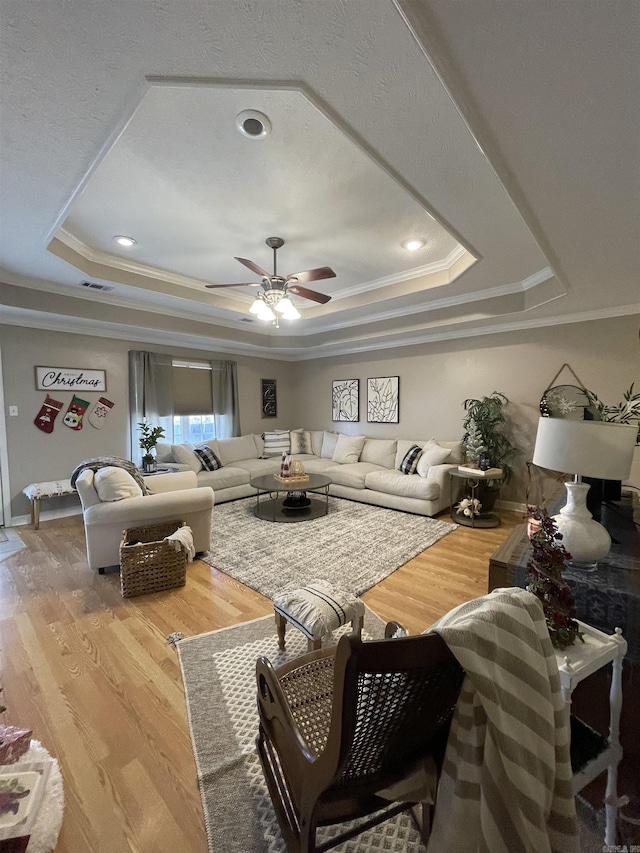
(317, 437)
(259, 440)
(209, 460)
(380, 451)
(353, 474)
(183, 453)
(275, 443)
(163, 452)
(432, 454)
(223, 478)
(348, 449)
(457, 451)
(329, 441)
(256, 467)
(300, 441)
(115, 484)
(411, 459)
(403, 485)
(313, 465)
(232, 449)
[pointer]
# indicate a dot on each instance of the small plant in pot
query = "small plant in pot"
(149, 437)
(485, 443)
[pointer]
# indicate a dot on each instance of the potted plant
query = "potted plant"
(484, 437)
(149, 437)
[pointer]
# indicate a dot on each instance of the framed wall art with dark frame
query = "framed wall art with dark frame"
(269, 399)
(383, 398)
(345, 400)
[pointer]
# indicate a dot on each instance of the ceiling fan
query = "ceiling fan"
(273, 299)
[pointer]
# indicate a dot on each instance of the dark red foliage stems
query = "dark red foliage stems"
(544, 571)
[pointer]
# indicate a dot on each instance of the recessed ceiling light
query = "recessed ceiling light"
(252, 124)
(412, 245)
(121, 240)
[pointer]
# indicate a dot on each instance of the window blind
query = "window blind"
(192, 390)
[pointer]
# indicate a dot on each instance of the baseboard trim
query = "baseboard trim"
(512, 506)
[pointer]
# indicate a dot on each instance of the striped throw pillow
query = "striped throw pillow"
(276, 443)
(410, 460)
(210, 461)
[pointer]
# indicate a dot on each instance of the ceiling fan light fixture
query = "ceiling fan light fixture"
(256, 305)
(291, 313)
(266, 313)
(283, 304)
(253, 124)
(413, 244)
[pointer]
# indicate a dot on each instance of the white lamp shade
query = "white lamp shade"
(598, 449)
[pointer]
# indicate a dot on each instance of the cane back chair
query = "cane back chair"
(339, 725)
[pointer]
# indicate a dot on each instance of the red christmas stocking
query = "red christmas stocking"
(75, 413)
(47, 414)
(98, 414)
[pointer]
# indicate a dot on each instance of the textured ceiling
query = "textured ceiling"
(497, 132)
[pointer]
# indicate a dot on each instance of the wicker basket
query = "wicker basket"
(148, 563)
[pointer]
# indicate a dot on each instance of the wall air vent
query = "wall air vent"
(93, 286)
(246, 319)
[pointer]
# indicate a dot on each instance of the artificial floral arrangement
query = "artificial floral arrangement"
(544, 571)
(469, 507)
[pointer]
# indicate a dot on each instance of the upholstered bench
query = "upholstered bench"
(316, 610)
(52, 489)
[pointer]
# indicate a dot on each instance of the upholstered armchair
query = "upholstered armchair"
(173, 496)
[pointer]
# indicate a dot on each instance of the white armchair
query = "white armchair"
(174, 496)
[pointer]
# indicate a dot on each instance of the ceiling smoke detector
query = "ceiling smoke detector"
(252, 124)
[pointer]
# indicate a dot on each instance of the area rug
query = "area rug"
(355, 546)
(218, 670)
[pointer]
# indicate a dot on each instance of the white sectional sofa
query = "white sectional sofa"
(361, 468)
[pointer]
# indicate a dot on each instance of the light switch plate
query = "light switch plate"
(13, 411)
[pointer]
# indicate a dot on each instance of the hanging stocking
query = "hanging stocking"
(75, 413)
(47, 414)
(98, 414)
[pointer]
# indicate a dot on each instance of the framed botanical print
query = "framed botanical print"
(383, 394)
(269, 400)
(345, 400)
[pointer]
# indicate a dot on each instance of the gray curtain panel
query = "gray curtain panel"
(150, 394)
(224, 386)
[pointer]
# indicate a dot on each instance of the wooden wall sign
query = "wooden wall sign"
(269, 402)
(70, 379)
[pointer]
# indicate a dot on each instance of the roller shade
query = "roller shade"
(192, 391)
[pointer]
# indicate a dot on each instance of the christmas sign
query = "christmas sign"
(70, 379)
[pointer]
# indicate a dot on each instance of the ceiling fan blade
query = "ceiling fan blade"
(312, 275)
(313, 295)
(235, 284)
(254, 267)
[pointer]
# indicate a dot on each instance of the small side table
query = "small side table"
(575, 664)
(484, 519)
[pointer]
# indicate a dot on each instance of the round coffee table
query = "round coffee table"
(290, 502)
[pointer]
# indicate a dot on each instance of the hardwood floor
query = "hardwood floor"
(92, 675)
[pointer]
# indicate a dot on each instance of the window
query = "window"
(193, 420)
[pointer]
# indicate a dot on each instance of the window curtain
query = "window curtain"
(150, 395)
(224, 389)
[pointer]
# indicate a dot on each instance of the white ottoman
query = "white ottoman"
(316, 609)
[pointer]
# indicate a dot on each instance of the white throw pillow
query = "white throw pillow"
(239, 448)
(432, 454)
(184, 455)
(115, 484)
(317, 437)
(329, 441)
(163, 452)
(348, 448)
(301, 441)
(277, 442)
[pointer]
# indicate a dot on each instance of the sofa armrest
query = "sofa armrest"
(174, 466)
(171, 482)
(130, 511)
(451, 486)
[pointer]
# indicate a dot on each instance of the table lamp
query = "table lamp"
(599, 449)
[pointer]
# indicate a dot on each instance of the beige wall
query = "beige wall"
(436, 378)
(37, 456)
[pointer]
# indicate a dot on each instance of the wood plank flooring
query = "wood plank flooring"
(92, 674)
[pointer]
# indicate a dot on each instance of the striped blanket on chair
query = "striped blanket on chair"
(506, 781)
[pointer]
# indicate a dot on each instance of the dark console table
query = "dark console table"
(606, 598)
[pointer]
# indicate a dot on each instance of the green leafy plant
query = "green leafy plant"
(627, 411)
(149, 436)
(484, 423)
(544, 572)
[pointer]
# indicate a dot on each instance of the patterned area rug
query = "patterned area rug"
(355, 546)
(218, 670)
